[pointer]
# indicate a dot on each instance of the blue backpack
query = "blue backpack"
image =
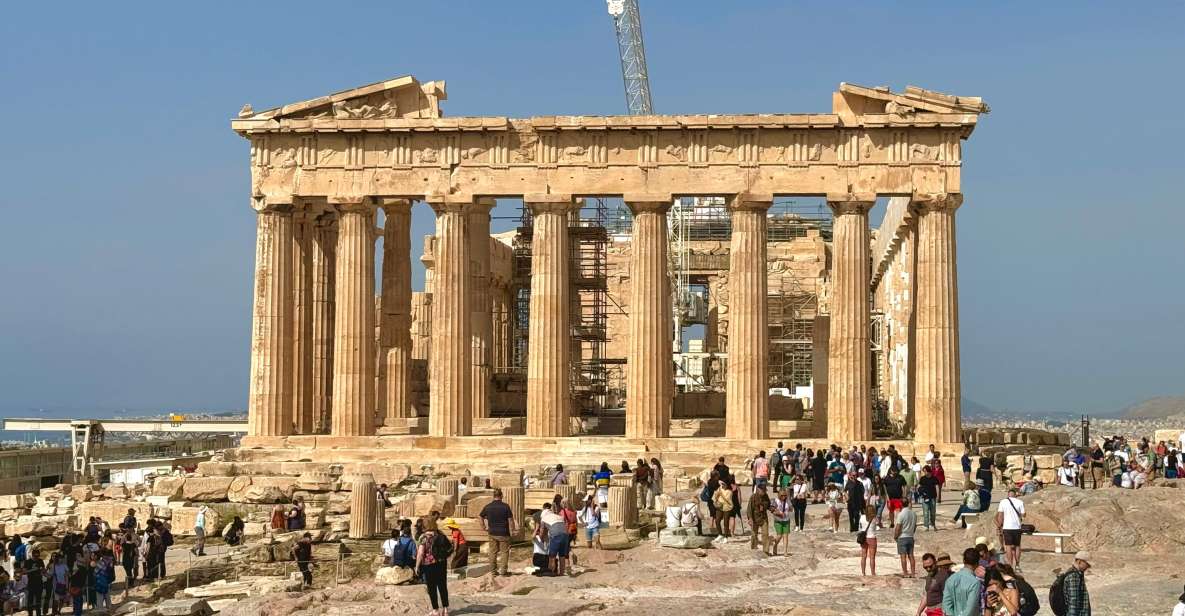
(405, 552)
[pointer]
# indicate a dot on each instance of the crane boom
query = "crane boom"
(628, 22)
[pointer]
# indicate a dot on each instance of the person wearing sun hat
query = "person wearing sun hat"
(1074, 586)
(1179, 610)
(460, 557)
(937, 570)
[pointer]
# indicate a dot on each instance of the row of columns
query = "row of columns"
(849, 411)
(314, 320)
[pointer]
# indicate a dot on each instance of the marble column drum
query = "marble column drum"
(449, 367)
(363, 503)
(480, 317)
(395, 327)
(649, 374)
(269, 410)
(354, 340)
(302, 321)
(849, 413)
(324, 247)
(937, 386)
(747, 385)
(549, 356)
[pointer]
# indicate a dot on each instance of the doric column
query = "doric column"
(549, 356)
(269, 410)
(849, 414)
(938, 389)
(480, 321)
(449, 367)
(395, 326)
(747, 386)
(363, 502)
(323, 265)
(649, 376)
(354, 343)
(302, 320)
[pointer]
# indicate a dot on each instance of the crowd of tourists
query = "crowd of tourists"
(80, 573)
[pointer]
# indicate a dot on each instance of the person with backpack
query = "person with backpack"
(722, 508)
(1027, 602)
(1068, 595)
(431, 556)
(999, 599)
(775, 465)
(388, 548)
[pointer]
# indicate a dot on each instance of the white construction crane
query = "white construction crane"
(628, 22)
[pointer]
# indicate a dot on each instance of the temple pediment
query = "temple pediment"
(401, 97)
(852, 101)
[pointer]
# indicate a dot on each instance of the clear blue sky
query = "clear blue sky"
(127, 245)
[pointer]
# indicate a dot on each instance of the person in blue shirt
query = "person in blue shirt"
(966, 461)
(962, 591)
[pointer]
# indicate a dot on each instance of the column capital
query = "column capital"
(851, 203)
(540, 203)
(750, 202)
(393, 203)
(272, 205)
(462, 203)
(639, 207)
(349, 203)
(929, 202)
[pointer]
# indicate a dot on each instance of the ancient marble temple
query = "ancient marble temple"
(323, 170)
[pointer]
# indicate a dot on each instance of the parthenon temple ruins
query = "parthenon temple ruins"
(670, 280)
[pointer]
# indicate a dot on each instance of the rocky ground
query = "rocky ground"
(821, 576)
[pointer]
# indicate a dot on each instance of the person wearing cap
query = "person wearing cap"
(1074, 586)
(937, 571)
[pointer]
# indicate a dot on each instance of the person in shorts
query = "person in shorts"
(1010, 513)
(905, 526)
(558, 547)
(781, 509)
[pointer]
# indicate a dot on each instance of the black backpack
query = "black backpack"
(1029, 603)
(1057, 595)
(442, 548)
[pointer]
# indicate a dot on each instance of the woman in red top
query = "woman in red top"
(939, 474)
(570, 522)
(460, 557)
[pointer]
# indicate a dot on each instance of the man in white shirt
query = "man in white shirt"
(1066, 474)
(931, 454)
(1009, 515)
(1181, 441)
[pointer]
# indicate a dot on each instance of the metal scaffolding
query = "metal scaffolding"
(588, 240)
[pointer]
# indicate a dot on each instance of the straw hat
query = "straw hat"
(981, 541)
(451, 523)
(944, 560)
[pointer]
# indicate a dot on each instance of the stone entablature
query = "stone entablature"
(873, 151)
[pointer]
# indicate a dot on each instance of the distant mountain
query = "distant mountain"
(1154, 408)
(974, 410)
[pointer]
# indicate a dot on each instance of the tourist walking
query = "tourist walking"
(1071, 586)
(854, 494)
(759, 508)
(798, 498)
(590, 516)
(302, 553)
(431, 557)
(656, 475)
(722, 502)
(896, 489)
(904, 528)
(1010, 513)
(498, 521)
(642, 485)
(818, 469)
(601, 481)
(961, 594)
(939, 475)
(937, 570)
(834, 506)
(199, 532)
(760, 471)
(866, 537)
(928, 497)
(781, 508)
(965, 462)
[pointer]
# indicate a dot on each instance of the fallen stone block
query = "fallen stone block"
(211, 489)
(683, 538)
(169, 487)
(392, 576)
(184, 607)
